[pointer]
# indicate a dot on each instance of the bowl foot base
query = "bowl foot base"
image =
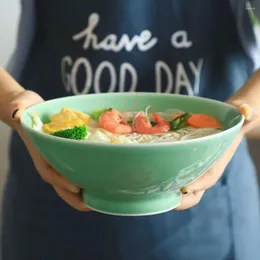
(148, 205)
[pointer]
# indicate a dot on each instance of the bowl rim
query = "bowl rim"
(139, 145)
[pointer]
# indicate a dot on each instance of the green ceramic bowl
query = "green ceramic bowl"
(133, 179)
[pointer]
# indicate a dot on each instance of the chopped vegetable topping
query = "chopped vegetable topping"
(75, 133)
(177, 115)
(97, 113)
(195, 120)
(203, 121)
(180, 121)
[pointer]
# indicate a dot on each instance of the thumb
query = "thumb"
(246, 110)
(251, 114)
(24, 100)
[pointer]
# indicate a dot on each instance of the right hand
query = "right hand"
(69, 192)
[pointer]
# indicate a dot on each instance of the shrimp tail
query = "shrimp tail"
(157, 118)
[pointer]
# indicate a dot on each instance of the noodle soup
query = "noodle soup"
(121, 127)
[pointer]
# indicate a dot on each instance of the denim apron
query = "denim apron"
(173, 46)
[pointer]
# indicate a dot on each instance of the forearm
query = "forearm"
(9, 89)
(249, 93)
(253, 135)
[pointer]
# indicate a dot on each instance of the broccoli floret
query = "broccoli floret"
(97, 113)
(75, 133)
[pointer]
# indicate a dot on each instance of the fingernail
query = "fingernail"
(189, 192)
(186, 191)
(14, 113)
(247, 111)
(74, 189)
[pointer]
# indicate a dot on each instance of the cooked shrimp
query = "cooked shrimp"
(142, 124)
(113, 122)
(158, 119)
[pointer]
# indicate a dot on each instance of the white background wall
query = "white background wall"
(9, 17)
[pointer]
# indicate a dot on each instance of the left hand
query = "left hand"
(193, 193)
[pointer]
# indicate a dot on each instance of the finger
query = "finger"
(247, 111)
(49, 175)
(21, 102)
(206, 181)
(210, 178)
(190, 200)
(74, 200)
(46, 171)
(251, 114)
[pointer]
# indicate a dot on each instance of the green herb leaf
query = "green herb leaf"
(153, 123)
(180, 122)
(97, 113)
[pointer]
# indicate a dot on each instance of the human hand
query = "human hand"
(69, 192)
(193, 193)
